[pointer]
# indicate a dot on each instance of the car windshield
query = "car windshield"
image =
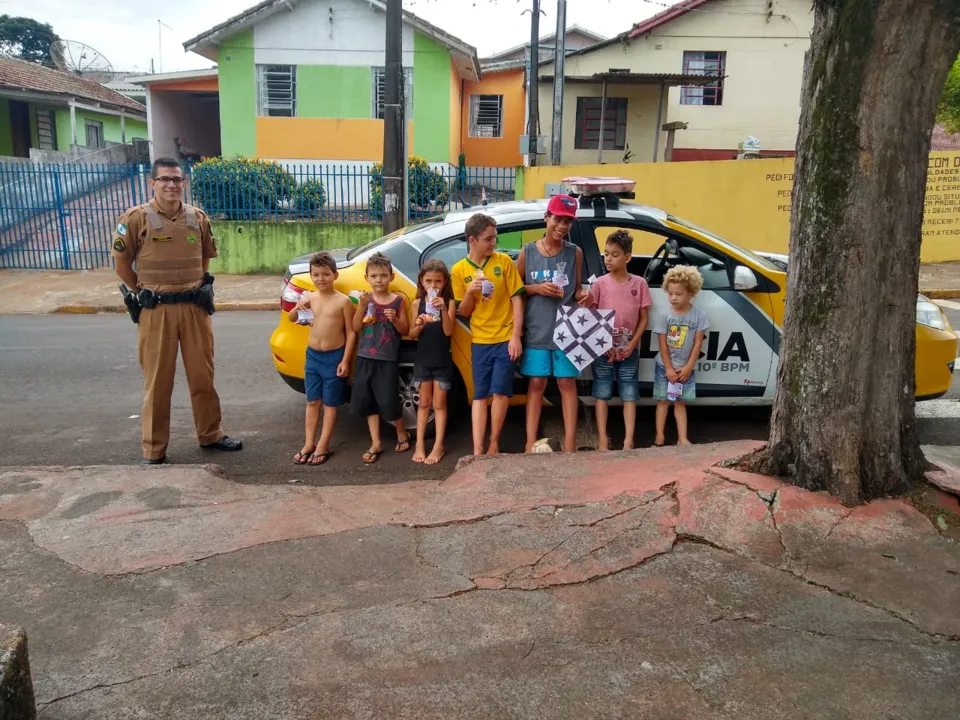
(726, 244)
(429, 222)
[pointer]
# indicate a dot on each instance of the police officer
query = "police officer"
(171, 244)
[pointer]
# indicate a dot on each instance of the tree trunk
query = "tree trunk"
(843, 419)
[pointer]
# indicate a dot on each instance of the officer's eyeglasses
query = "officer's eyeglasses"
(170, 180)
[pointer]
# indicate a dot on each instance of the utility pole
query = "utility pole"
(559, 57)
(533, 121)
(393, 122)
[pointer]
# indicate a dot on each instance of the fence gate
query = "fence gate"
(62, 216)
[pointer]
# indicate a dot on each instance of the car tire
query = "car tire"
(410, 395)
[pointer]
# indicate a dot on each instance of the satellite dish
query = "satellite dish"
(80, 59)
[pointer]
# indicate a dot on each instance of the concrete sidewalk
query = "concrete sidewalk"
(91, 291)
(649, 584)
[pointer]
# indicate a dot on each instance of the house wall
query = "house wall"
(764, 67)
(6, 135)
(111, 127)
(431, 100)
(503, 151)
(330, 139)
(238, 95)
(456, 119)
(335, 45)
(306, 36)
(641, 128)
(181, 114)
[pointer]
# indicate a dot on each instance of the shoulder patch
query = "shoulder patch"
(119, 245)
(121, 229)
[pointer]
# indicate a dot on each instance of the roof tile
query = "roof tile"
(31, 76)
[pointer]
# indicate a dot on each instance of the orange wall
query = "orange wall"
(320, 138)
(198, 85)
(456, 117)
(496, 152)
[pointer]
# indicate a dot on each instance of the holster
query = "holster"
(133, 304)
(205, 294)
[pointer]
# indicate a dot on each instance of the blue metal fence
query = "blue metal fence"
(61, 216)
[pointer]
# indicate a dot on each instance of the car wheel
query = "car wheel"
(409, 394)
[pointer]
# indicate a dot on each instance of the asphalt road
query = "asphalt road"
(71, 395)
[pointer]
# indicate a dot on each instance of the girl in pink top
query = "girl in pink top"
(629, 295)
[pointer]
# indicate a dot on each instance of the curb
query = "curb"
(942, 293)
(79, 309)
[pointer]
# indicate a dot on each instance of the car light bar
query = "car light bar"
(588, 186)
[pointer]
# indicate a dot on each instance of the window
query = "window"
(588, 124)
(449, 253)
(277, 90)
(94, 134)
(486, 116)
(380, 91)
(703, 63)
(46, 130)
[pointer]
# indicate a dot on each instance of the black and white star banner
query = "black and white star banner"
(583, 334)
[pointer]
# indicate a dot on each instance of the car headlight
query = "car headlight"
(931, 315)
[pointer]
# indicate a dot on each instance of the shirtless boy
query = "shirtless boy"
(329, 354)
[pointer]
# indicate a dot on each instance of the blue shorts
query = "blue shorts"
(625, 372)
(536, 362)
(660, 382)
(492, 370)
(320, 377)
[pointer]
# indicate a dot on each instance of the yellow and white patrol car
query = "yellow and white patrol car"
(743, 295)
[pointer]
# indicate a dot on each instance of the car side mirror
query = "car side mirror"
(673, 247)
(744, 278)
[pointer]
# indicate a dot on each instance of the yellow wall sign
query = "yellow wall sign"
(748, 201)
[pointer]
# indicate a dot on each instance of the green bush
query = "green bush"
(241, 188)
(308, 197)
(427, 190)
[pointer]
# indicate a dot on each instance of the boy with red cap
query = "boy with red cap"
(551, 269)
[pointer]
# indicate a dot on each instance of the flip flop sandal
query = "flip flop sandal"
(302, 457)
(403, 445)
(370, 457)
(319, 458)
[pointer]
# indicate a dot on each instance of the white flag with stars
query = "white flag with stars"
(583, 334)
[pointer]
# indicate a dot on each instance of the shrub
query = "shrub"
(241, 188)
(308, 197)
(427, 190)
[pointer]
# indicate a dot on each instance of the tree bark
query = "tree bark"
(843, 419)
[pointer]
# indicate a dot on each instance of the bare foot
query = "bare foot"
(628, 446)
(420, 454)
(570, 448)
(494, 448)
(660, 441)
(603, 445)
(528, 449)
(435, 456)
(684, 441)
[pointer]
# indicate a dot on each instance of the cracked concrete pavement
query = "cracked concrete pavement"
(655, 583)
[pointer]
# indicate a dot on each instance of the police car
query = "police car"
(743, 294)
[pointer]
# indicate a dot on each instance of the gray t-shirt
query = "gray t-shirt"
(681, 332)
(540, 312)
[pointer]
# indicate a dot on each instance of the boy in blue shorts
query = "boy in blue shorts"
(489, 291)
(551, 270)
(329, 352)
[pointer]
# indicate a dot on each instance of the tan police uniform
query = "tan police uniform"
(169, 254)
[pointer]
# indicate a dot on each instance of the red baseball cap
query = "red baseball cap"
(563, 206)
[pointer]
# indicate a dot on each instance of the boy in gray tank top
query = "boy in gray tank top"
(551, 269)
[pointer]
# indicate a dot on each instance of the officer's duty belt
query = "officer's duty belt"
(149, 299)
